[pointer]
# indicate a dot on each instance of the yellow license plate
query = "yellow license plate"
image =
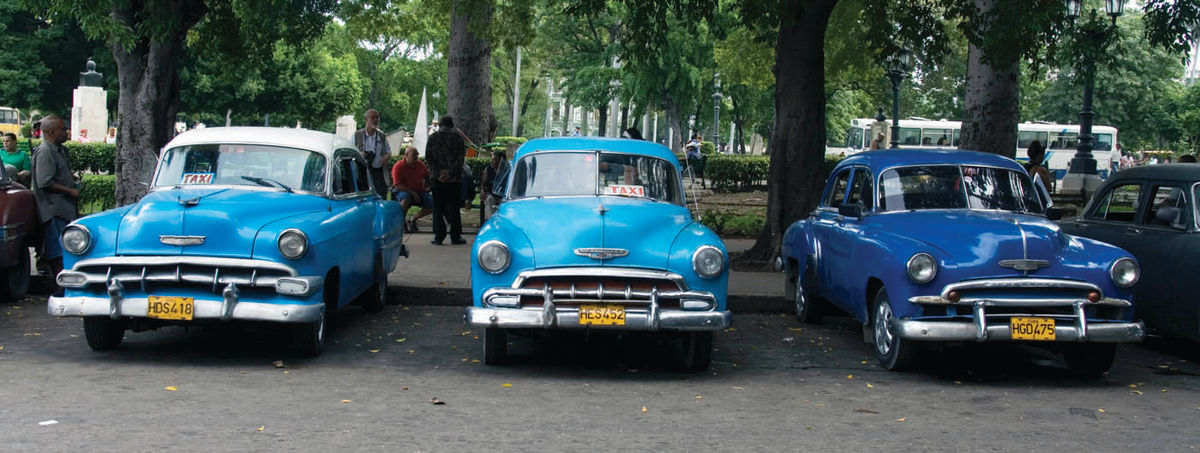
(170, 307)
(1032, 329)
(602, 315)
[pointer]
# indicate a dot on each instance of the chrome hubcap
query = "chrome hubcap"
(801, 302)
(883, 336)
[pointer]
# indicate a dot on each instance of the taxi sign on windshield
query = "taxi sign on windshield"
(197, 178)
(625, 190)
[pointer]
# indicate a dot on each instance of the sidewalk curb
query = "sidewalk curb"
(461, 297)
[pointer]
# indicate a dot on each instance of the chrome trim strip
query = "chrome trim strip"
(601, 253)
(994, 283)
(136, 307)
(181, 240)
(1106, 332)
(184, 259)
(1024, 265)
(1035, 302)
(600, 272)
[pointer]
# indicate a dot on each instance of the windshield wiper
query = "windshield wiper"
(268, 182)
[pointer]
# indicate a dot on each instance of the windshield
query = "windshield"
(243, 165)
(956, 187)
(596, 173)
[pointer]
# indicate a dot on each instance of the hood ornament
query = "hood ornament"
(190, 202)
(181, 240)
(601, 253)
(1025, 265)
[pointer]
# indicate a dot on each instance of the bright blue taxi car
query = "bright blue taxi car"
(244, 223)
(594, 233)
(954, 246)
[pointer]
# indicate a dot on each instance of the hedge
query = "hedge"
(98, 194)
(741, 173)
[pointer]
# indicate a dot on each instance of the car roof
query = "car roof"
(623, 145)
(887, 158)
(1165, 172)
(322, 142)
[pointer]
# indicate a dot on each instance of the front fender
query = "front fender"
(103, 227)
(890, 253)
(520, 251)
(690, 238)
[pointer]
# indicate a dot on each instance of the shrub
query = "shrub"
(708, 149)
(92, 157)
(98, 194)
(731, 224)
(736, 173)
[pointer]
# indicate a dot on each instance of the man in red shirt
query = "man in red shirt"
(411, 179)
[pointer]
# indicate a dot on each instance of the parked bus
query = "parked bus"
(1059, 139)
(10, 120)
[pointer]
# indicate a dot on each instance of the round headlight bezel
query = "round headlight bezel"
(486, 249)
(708, 273)
(914, 271)
(293, 232)
(76, 250)
(1122, 265)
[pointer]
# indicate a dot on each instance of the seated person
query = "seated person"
(17, 159)
(410, 178)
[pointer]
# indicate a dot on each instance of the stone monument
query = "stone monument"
(345, 127)
(90, 109)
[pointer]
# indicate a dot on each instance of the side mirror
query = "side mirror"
(851, 210)
(1054, 213)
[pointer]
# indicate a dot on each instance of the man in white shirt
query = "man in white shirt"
(374, 146)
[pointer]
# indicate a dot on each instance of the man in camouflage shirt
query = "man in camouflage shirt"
(444, 153)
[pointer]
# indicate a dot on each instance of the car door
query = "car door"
(824, 221)
(845, 234)
(1164, 296)
(1113, 215)
(354, 212)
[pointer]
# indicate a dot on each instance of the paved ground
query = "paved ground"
(438, 275)
(774, 386)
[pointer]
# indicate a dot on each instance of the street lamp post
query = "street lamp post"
(1081, 175)
(897, 70)
(717, 111)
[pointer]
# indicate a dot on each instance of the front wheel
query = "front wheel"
(1090, 360)
(697, 351)
(103, 333)
(495, 346)
(893, 353)
(376, 296)
(309, 338)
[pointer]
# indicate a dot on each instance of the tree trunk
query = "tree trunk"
(566, 119)
(525, 105)
(674, 126)
(469, 75)
(602, 120)
(798, 140)
(991, 107)
(736, 141)
(624, 119)
(147, 99)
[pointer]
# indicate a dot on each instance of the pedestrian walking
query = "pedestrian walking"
(444, 154)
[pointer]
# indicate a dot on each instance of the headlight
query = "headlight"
(922, 268)
(1125, 272)
(293, 243)
(708, 261)
(76, 239)
(493, 256)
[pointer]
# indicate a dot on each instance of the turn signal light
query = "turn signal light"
(954, 296)
(1094, 296)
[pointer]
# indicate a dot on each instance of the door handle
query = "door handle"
(1132, 230)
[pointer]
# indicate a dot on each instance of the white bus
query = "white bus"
(1059, 139)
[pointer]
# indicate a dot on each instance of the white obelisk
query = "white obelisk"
(421, 131)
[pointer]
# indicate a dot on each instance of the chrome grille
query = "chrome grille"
(212, 274)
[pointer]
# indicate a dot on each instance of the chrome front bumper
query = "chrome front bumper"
(568, 317)
(225, 310)
(1073, 327)
(1108, 332)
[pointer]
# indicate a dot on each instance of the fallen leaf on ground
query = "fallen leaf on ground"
(795, 329)
(902, 419)
(699, 397)
(171, 388)
(1138, 392)
(374, 351)
(739, 388)
(287, 371)
(865, 411)
(474, 360)
(454, 348)
(48, 423)
(260, 428)
(466, 332)
(506, 385)
(436, 402)
(278, 364)
(410, 351)
(404, 388)
(401, 340)
(1101, 411)
(643, 409)
(849, 376)
(347, 401)
(870, 386)
(1163, 390)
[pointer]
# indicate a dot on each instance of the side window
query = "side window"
(361, 178)
(1168, 208)
(343, 177)
(1120, 204)
(837, 192)
(860, 188)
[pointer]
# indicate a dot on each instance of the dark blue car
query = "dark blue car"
(954, 246)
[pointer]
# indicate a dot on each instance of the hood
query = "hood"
(558, 226)
(227, 218)
(981, 239)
